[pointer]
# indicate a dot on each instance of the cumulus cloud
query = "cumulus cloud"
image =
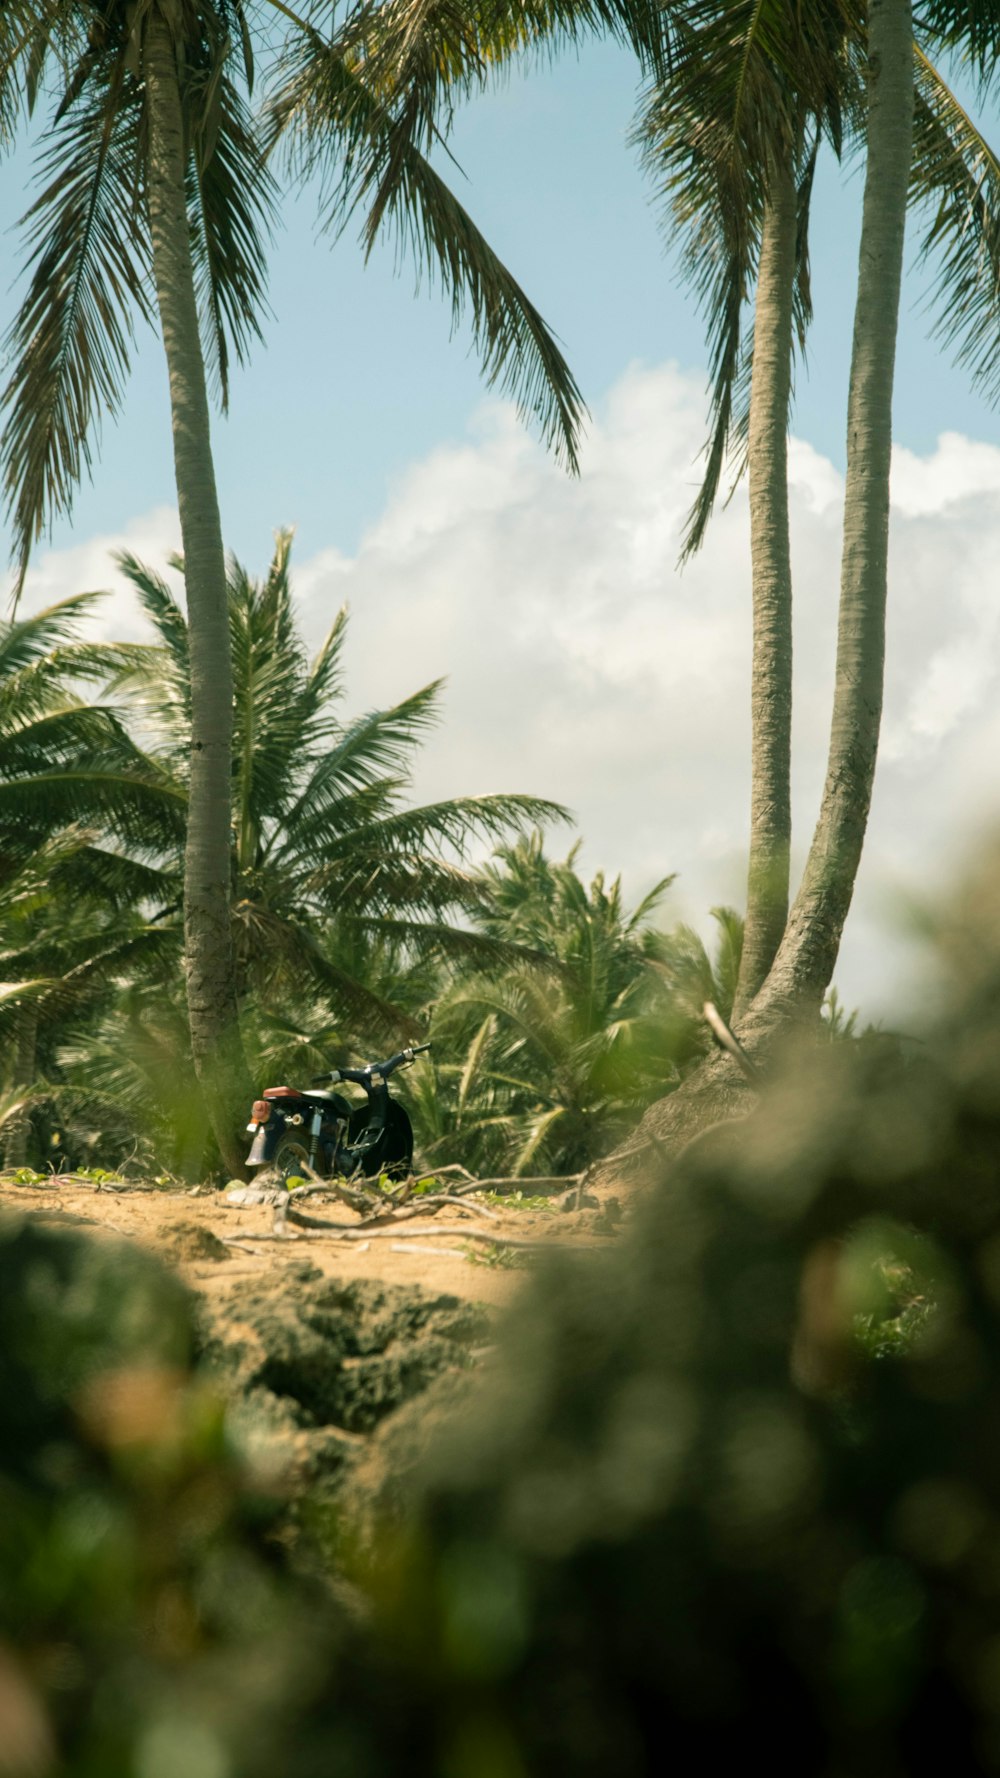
(90, 567)
(583, 666)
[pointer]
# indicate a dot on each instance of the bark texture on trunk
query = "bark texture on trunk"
(771, 684)
(16, 1129)
(209, 965)
(804, 965)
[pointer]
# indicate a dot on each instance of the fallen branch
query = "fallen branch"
(425, 1247)
(382, 1213)
(462, 1201)
(460, 1233)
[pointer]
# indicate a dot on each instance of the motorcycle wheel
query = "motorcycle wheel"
(288, 1158)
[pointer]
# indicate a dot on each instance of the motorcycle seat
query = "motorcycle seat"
(322, 1097)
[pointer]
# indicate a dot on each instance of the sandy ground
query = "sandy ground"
(210, 1240)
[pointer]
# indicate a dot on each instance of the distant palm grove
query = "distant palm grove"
(557, 1012)
(211, 868)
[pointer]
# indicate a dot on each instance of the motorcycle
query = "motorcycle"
(330, 1135)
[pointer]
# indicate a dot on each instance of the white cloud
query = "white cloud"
(89, 567)
(583, 667)
(960, 469)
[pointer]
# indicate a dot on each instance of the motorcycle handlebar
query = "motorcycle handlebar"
(362, 1076)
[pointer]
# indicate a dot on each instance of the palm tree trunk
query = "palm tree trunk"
(771, 684)
(209, 966)
(804, 965)
(16, 1129)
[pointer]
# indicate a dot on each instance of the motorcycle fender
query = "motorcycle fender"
(258, 1152)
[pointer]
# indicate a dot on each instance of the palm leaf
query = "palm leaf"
(745, 80)
(325, 679)
(32, 638)
(956, 171)
(462, 819)
(71, 339)
(971, 26)
(340, 129)
(30, 37)
(143, 814)
(369, 748)
(231, 202)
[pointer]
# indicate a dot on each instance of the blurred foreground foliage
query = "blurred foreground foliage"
(691, 1512)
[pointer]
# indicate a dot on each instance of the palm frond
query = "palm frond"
(649, 903)
(31, 638)
(435, 51)
(370, 748)
(158, 678)
(745, 80)
(438, 940)
(71, 339)
(30, 38)
(62, 733)
(341, 129)
(325, 681)
(231, 201)
(463, 819)
(956, 171)
(355, 1001)
(112, 879)
(970, 26)
(136, 812)
(351, 876)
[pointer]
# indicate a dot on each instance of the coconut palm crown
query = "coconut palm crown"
(326, 855)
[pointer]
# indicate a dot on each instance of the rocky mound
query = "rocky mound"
(312, 1366)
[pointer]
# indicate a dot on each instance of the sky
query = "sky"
(580, 664)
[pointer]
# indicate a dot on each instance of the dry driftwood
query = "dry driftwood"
(380, 1213)
(461, 1232)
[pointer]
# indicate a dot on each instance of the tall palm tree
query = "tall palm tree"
(156, 200)
(742, 93)
(327, 860)
(804, 962)
(730, 136)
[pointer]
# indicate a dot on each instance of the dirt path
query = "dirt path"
(336, 1356)
(191, 1231)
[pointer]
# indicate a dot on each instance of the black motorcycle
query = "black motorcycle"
(333, 1137)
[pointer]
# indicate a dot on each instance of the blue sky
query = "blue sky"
(580, 666)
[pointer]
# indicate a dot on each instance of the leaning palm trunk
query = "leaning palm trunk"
(771, 685)
(209, 964)
(807, 955)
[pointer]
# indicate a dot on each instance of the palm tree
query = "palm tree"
(337, 885)
(743, 91)
(803, 965)
(730, 136)
(83, 814)
(559, 1053)
(155, 177)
